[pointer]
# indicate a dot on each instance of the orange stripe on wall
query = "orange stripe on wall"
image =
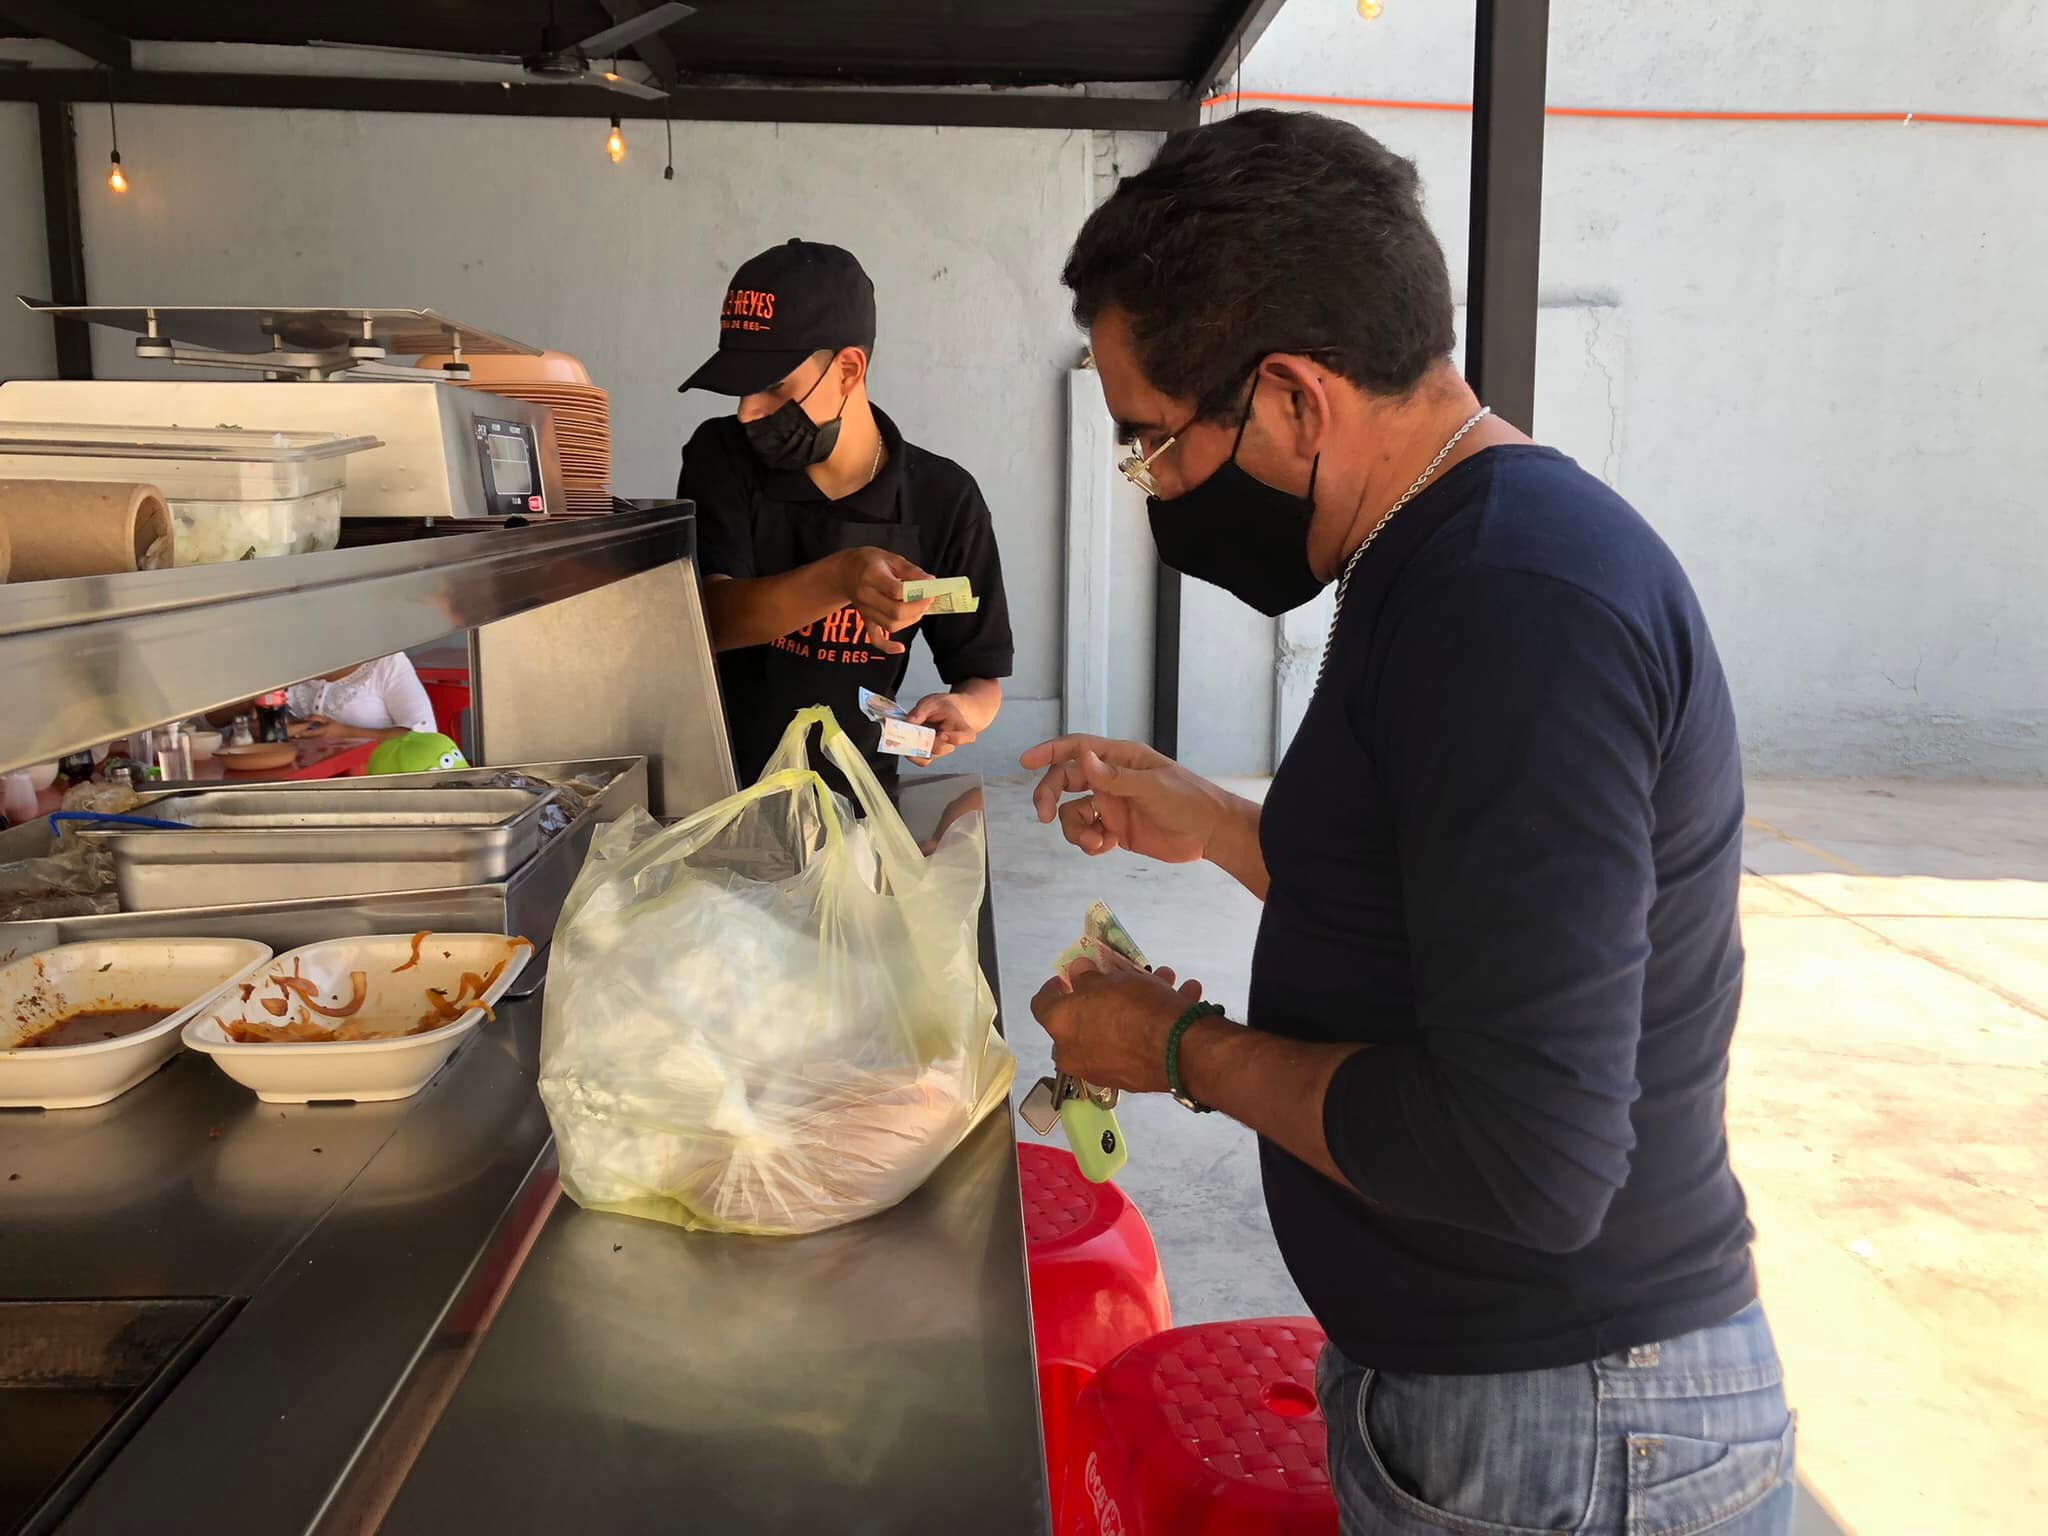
(1648, 114)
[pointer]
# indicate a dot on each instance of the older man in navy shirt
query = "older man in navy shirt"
(1497, 972)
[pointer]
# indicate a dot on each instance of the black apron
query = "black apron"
(811, 665)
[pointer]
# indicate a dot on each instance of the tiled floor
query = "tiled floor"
(1888, 1114)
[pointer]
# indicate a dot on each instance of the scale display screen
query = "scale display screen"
(510, 460)
(511, 470)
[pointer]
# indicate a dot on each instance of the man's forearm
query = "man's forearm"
(1234, 846)
(756, 610)
(981, 699)
(1274, 1086)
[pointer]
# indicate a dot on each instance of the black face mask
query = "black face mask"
(1241, 534)
(786, 438)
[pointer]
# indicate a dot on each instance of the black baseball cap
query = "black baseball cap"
(782, 306)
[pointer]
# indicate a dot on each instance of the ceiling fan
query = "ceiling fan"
(559, 62)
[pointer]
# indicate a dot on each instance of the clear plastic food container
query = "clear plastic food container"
(214, 532)
(188, 464)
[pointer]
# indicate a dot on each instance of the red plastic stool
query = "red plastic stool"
(448, 694)
(1096, 1285)
(1205, 1431)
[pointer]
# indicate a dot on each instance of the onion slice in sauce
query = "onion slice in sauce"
(417, 940)
(359, 988)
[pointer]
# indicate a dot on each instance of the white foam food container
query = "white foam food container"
(36, 991)
(363, 1071)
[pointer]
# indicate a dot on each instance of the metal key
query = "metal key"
(1087, 1114)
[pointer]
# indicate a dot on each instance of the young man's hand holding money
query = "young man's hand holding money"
(874, 581)
(958, 718)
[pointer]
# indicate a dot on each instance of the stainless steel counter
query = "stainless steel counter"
(877, 1378)
(433, 1339)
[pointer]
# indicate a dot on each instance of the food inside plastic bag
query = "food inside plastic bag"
(771, 1017)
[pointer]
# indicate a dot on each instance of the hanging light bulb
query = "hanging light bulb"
(1369, 9)
(615, 143)
(117, 180)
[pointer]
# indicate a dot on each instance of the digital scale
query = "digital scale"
(448, 452)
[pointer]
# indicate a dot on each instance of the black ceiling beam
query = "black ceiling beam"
(1509, 70)
(63, 24)
(735, 104)
(650, 50)
(1252, 19)
(63, 226)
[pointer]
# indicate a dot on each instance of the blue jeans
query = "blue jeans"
(1685, 1436)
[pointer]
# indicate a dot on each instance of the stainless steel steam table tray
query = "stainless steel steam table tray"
(267, 844)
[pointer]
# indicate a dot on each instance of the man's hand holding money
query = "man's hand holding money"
(1109, 1027)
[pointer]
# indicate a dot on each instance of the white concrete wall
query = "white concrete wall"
(1809, 353)
(522, 226)
(1835, 336)
(26, 347)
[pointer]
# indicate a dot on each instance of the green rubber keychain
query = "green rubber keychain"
(1085, 1112)
(1094, 1136)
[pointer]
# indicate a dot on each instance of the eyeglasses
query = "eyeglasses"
(1137, 467)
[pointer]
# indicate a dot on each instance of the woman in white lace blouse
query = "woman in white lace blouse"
(377, 699)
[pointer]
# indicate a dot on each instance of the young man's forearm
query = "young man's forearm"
(755, 610)
(981, 699)
(1272, 1085)
(1234, 846)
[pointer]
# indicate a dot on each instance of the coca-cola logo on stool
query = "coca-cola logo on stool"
(1109, 1520)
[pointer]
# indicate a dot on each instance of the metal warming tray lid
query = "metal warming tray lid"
(261, 845)
(525, 903)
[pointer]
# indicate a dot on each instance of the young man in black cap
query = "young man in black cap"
(812, 511)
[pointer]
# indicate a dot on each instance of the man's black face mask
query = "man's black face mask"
(1241, 534)
(786, 438)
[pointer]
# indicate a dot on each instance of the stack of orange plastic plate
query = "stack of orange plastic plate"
(582, 416)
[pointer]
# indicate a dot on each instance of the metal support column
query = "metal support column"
(1508, 65)
(61, 219)
(1166, 663)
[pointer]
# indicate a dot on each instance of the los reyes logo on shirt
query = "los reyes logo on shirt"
(834, 638)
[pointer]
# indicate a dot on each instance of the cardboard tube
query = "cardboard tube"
(83, 528)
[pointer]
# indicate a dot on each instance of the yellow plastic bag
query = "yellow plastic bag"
(770, 1017)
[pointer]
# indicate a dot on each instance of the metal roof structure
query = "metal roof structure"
(1023, 63)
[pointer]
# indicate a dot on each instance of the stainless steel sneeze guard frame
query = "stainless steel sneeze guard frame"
(90, 659)
(550, 682)
(253, 328)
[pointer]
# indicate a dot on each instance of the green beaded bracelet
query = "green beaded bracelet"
(1180, 1027)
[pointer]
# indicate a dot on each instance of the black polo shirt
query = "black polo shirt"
(1504, 849)
(752, 521)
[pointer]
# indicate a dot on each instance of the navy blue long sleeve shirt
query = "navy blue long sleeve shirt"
(1504, 850)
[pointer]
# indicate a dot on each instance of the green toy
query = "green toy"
(416, 752)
